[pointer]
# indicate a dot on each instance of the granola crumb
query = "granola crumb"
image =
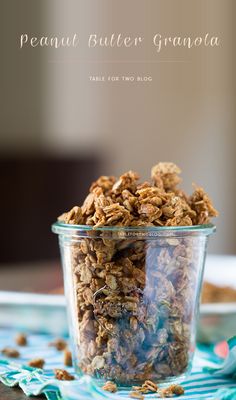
(150, 386)
(170, 391)
(147, 387)
(136, 395)
(67, 358)
(110, 387)
(21, 339)
(36, 363)
(10, 352)
(59, 343)
(140, 389)
(177, 389)
(63, 375)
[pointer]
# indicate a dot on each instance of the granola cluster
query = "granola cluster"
(151, 387)
(134, 298)
(59, 343)
(110, 387)
(63, 375)
(36, 363)
(67, 358)
(10, 352)
(21, 339)
(126, 202)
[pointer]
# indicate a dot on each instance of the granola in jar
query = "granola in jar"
(133, 291)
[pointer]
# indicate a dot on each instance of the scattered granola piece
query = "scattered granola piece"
(67, 358)
(59, 343)
(171, 390)
(140, 389)
(136, 395)
(21, 339)
(165, 392)
(177, 389)
(110, 387)
(150, 386)
(63, 375)
(10, 352)
(36, 363)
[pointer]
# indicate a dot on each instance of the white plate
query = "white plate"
(33, 312)
(221, 270)
(218, 320)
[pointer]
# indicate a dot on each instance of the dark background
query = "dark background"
(35, 190)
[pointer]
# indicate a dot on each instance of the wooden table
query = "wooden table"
(16, 393)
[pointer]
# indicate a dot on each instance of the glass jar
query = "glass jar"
(133, 299)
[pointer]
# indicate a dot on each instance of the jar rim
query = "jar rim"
(62, 228)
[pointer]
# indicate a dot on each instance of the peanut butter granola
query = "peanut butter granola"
(10, 352)
(59, 344)
(216, 294)
(136, 395)
(67, 358)
(170, 391)
(134, 298)
(36, 363)
(21, 339)
(125, 202)
(110, 387)
(147, 387)
(63, 375)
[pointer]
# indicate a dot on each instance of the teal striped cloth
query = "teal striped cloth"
(211, 377)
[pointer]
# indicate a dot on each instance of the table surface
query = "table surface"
(7, 393)
(38, 277)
